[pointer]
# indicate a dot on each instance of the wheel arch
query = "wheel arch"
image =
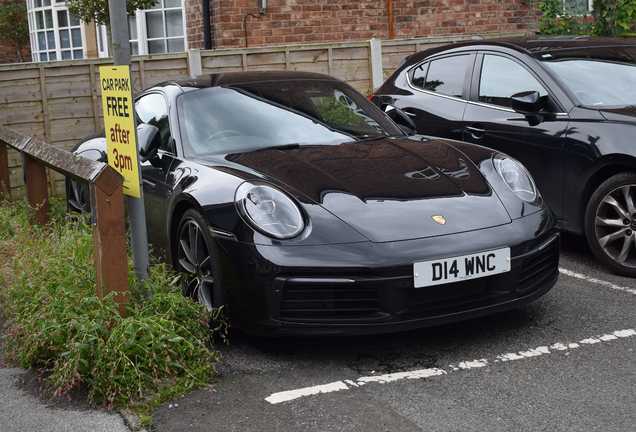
(185, 204)
(611, 165)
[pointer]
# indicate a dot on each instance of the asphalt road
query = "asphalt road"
(563, 363)
(22, 409)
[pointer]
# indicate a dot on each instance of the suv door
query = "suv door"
(490, 121)
(440, 93)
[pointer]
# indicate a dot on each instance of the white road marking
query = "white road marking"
(286, 396)
(383, 379)
(348, 384)
(596, 281)
(307, 391)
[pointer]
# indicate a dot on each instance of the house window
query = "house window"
(577, 6)
(132, 32)
(55, 34)
(158, 30)
(153, 31)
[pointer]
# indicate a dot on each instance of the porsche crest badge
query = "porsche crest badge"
(439, 219)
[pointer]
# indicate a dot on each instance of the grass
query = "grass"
(57, 326)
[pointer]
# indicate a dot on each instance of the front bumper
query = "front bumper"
(319, 290)
(359, 304)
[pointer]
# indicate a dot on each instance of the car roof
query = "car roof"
(536, 46)
(229, 78)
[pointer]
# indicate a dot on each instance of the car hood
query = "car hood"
(620, 114)
(388, 189)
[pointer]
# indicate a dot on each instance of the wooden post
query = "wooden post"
(5, 179)
(194, 62)
(107, 205)
(47, 124)
(109, 238)
(375, 63)
(37, 192)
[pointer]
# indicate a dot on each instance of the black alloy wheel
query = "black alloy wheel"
(196, 260)
(77, 197)
(610, 223)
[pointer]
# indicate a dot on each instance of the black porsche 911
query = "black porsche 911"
(296, 203)
(563, 106)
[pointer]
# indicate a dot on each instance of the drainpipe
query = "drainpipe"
(391, 34)
(207, 34)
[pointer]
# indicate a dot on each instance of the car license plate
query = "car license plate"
(455, 269)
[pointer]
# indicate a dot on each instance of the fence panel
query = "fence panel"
(224, 63)
(60, 102)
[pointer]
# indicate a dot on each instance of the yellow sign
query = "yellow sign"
(119, 122)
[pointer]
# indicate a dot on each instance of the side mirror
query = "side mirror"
(528, 103)
(401, 118)
(149, 141)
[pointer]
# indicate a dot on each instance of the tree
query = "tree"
(607, 18)
(98, 11)
(14, 26)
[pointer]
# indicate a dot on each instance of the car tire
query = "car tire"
(610, 223)
(196, 260)
(77, 197)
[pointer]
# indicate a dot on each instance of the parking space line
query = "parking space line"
(286, 396)
(595, 281)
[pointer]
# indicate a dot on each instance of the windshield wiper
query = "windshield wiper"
(278, 147)
(373, 138)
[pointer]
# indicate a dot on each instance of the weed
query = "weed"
(56, 324)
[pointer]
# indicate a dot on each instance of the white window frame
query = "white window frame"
(102, 41)
(142, 32)
(589, 5)
(54, 7)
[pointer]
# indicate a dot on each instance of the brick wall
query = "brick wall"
(313, 21)
(194, 20)
(288, 22)
(8, 54)
(446, 17)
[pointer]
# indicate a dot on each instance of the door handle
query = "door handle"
(476, 131)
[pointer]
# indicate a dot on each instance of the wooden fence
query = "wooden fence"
(60, 102)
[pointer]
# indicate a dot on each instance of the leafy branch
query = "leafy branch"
(607, 18)
(98, 11)
(14, 26)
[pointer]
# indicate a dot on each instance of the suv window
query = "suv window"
(501, 78)
(152, 109)
(444, 76)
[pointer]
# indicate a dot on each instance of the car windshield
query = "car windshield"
(599, 79)
(254, 116)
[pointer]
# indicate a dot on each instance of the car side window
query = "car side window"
(502, 77)
(444, 76)
(153, 109)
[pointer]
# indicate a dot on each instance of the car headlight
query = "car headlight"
(269, 210)
(516, 177)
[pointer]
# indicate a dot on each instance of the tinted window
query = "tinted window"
(501, 78)
(152, 109)
(418, 77)
(444, 76)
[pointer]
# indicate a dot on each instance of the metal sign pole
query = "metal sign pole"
(136, 209)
